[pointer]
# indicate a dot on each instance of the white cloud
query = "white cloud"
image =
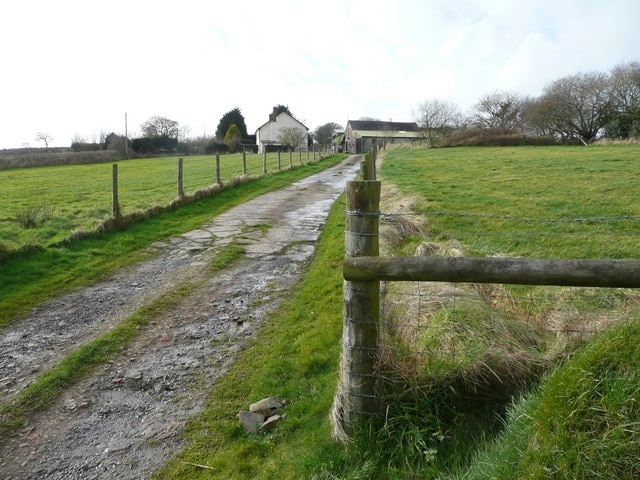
(75, 67)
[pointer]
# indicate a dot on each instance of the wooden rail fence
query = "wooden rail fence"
(358, 396)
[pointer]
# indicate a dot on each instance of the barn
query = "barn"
(360, 135)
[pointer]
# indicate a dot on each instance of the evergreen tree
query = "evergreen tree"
(233, 117)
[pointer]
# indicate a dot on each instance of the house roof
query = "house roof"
(378, 125)
(283, 113)
(385, 134)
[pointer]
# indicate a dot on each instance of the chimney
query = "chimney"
(273, 115)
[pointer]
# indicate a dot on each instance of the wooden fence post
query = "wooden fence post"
(300, 156)
(290, 158)
(218, 181)
(264, 161)
(279, 163)
(368, 167)
(180, 187)
(115, 204)
(244, 161)
(356, 397)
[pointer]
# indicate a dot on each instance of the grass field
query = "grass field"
(566, 202)
(44, 205)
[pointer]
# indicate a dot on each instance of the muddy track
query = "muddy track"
(127, 418)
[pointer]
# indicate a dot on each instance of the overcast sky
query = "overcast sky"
(73, 68)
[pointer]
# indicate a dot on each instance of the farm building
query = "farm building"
(360, 135)
(269, 134)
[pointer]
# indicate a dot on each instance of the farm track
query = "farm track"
(126, 419)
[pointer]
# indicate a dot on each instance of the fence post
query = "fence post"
(356, 397)
(264, 161)
(244, 161)
(115, 204)
(300, 155)
(279, 164)
(368, 167)
(180, 188)
(218, 181)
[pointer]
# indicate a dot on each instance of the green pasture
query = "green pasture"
(44, 205)
(565, 201)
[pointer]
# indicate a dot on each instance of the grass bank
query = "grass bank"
(27, 280)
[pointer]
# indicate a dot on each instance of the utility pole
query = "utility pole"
(126, 138)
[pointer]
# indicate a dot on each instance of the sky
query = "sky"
(75, 69)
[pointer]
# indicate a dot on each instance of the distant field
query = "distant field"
(567, 202)
(40, 206)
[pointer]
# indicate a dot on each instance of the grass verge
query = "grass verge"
(295, 355)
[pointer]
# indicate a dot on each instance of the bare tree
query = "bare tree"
(499, 109)
(435, 117)
(325, 133)
(577, 106)
(44, 137)
(625, 101)
(292, 137)
(159, 127)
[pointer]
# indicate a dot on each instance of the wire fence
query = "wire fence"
(44, 205)
(497, 335)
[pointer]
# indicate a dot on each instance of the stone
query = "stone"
(270, 423)
(133, 374)
(267, 406)
(251, 421)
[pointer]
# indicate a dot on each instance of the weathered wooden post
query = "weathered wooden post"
(308, 155)
(218, 181)
(300, 155)
(180, 187)
(244, 161)
(279, 163)
(290, 158)
(115, 204)
(368, 167)
(356, 397)
(264, 161)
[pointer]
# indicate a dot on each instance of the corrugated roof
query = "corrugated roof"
(378, 125)
(385, 134)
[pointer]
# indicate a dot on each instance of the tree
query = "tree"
(499, 109)
(625, 101)
(232, 117)
(233, 137)
(292, 137)
(323, 135)
(435, 118)
(282, 108)
(44, 137)
(160, 126)
(577, 106)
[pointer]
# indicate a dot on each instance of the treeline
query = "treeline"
(578, 108)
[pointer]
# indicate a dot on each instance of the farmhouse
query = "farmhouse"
(269, 133)
(360, 135)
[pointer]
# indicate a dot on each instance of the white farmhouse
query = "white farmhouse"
(269, 133)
